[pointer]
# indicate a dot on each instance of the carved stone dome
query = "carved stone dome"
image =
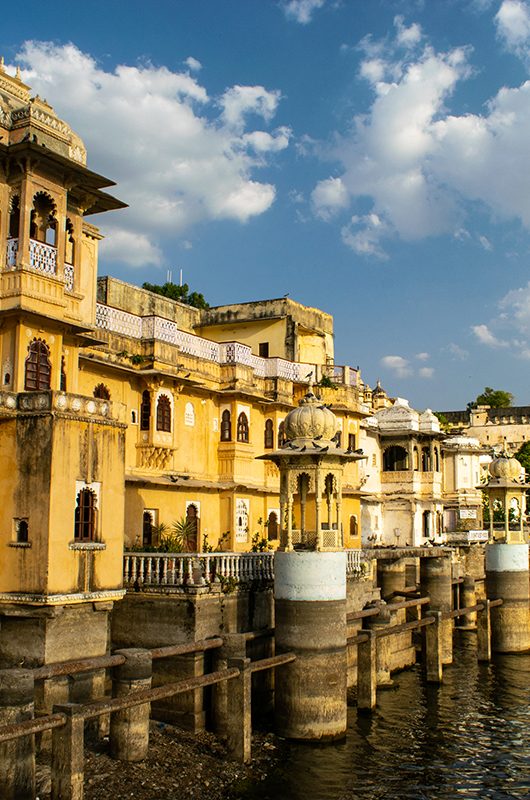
(505, 468)
(311, 420)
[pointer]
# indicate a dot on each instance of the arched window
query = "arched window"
(63, 375)
(436, 459)
(354, 528)
(38, 368)
(226, 426)
(242, 427)
(22, 530)
(281, 434)
(189, 415)
(102, 392)
(395, 459)
(269, 435)
(85, 516)
(272, 526)
(69, 244)
(163, 414)
(43, 225)
(145, 411)
(147, 529)
(14, 218)
(426, 465)
(192, 537)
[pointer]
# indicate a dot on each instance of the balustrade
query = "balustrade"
(42, 257)
(69, 277)
(201, 569)
(152, 327)
(11, 253)
(194, 569)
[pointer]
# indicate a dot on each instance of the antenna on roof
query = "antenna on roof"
(169, 276)
(180, 278)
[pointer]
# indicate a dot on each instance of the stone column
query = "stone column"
(435, 582)
(507, 578)
(129, 729)
(17, 757)
(310, 620)
(289, 545)
(391, 576)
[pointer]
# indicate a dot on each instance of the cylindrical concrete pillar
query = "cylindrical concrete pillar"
(310, 620)
(507, 578)
(391, 577)
(17, 757)
(435, 582)
(468, 597)
(129, 729)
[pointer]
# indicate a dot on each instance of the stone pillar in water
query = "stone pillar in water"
(310, 620)
(507, 578)
(436, 582)
(391, 577)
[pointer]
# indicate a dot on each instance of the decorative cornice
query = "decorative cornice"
(61, 599)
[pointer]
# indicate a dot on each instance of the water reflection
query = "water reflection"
(468, 738)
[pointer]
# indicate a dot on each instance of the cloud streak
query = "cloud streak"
(179, 156)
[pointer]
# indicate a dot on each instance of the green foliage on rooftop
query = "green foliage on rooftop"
(495, 398)
(180, 293)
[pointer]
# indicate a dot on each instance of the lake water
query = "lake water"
(468, 738)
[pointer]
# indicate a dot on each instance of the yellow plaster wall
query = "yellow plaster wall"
(252, 334)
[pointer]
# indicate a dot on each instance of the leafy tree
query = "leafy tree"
(523, 456)
(442, 419)
(496, 398)
(180, 293)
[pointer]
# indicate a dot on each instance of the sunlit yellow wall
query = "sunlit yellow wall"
(251, 334)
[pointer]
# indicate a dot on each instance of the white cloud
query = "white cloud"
(516, 306)
(485, 242)
(407, 37)
(239, 101)
(328, 196)
(263, 142)
(485, 336)
(513, 26)
(426, 372)
(458, 353)
(176, 159)
(422, 356)
(423, 167)
(193, 64)
(134, 249)
(363, 235)
(301, 10)
(398, 365)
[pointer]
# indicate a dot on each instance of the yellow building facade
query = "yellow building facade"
(122, 411)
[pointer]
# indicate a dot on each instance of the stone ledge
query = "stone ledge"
(56, 599)
(87, 546)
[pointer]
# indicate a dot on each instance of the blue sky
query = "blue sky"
(370, 157)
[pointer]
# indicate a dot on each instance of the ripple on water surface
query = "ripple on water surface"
(468, 739)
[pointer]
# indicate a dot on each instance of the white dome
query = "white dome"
(505, 468)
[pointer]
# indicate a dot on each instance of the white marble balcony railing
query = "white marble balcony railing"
(42, 258)
(151, 327)
(195, 569)
(201, 569)
(11, 253)
(354, 561)
(69, 277)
